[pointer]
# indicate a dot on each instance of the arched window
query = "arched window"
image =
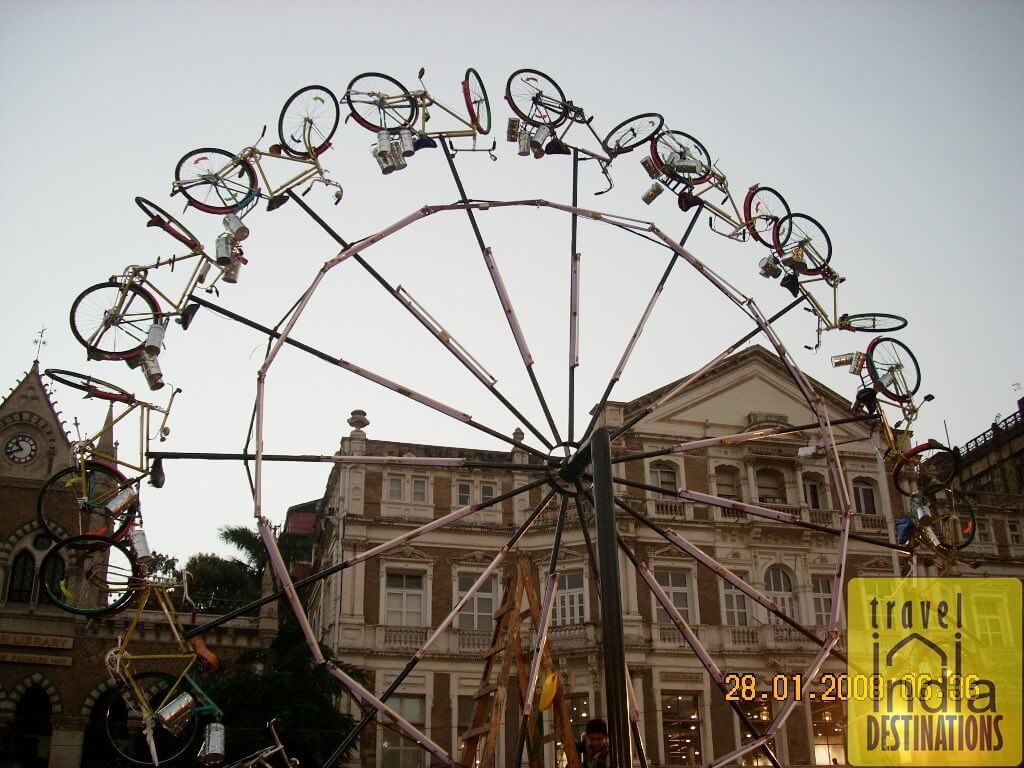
(664, 476)
(771, 486)
(23, 586)
(22, 578)
(864, 496)
(33, 727)
(778, 586)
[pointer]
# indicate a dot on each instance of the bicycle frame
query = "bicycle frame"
(425, 100)
(121, 662)
(85, 448)
(314, 173)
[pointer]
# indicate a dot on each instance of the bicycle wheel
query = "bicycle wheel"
(632, 132)
(313, 106)
(127, 721)
(380, 103)
(802, 243)
(215, 181)
(893, 368)
(477, 104)
(158, 217)
(86, 500)
(111, 320)
(878, 322)
(89, 575)
(681, 157)
(925, 469)
(91, 386)
(762, 209)
(954, 521)
(535, 98)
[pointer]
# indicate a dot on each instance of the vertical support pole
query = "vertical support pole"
(611, 601)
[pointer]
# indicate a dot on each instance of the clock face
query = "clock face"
(21, 448)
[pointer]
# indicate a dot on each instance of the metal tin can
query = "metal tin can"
(224, 244)
(512, 131)
(383, 143)
(652, 193)
(151, 370)
(141, 545)
(212, 750)
(405, 142)
(236, 227)
(155, 338)
(175, 714)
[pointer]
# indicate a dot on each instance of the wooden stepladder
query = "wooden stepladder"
(504, 656)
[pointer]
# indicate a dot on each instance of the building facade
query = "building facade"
(54, 685)
(378, 613)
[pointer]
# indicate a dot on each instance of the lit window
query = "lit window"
(681, 724)
(397, 751)
(828, 720)
(759, 714)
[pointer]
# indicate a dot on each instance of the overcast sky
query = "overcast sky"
(897, 126)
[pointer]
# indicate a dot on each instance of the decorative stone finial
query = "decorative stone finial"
(358, 420)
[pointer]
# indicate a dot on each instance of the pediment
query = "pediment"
(409, 554)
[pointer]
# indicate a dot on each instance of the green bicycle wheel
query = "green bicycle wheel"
(90, 575)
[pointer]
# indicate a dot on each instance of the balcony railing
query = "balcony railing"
(473, 640)
(404, 638)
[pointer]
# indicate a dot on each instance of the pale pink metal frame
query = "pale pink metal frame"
(746, 304)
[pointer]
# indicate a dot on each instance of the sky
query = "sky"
(894, 125)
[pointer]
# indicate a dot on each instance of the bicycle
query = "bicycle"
(541, 109)
(216, 181)
(154, 715)
(890, 375)
(106, 501)
(260, 758)
(125, 318)
(943, 523)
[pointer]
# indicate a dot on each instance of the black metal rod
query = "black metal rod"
(322, 574)
(509, 465)
(729, 350)
(344, 365)
(596, 414)
(573, 290)
(483, 251)
(611, 601)
(316, 217)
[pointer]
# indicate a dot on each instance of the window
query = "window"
(828, 719)
(1013, 528)
(677, 586)
(812, 493)
(419, 490)
(479, 611)
(779, 588)
(727, 479)
(771, 486)
(569, 599)
(466, 709)
(759, 714)
(22, 578)
(822, 588)
(486, 491)
(735, 604)
(404, 599)
(863, 497)
(397, 751)
(664, 476)
(984, 532)
(395, 488)
(463, 493)
(988, 620)
(681, 724)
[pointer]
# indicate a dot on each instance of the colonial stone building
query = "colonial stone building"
(378, 613)
(53, 681)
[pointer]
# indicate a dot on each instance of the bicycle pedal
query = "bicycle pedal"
(276, 202)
